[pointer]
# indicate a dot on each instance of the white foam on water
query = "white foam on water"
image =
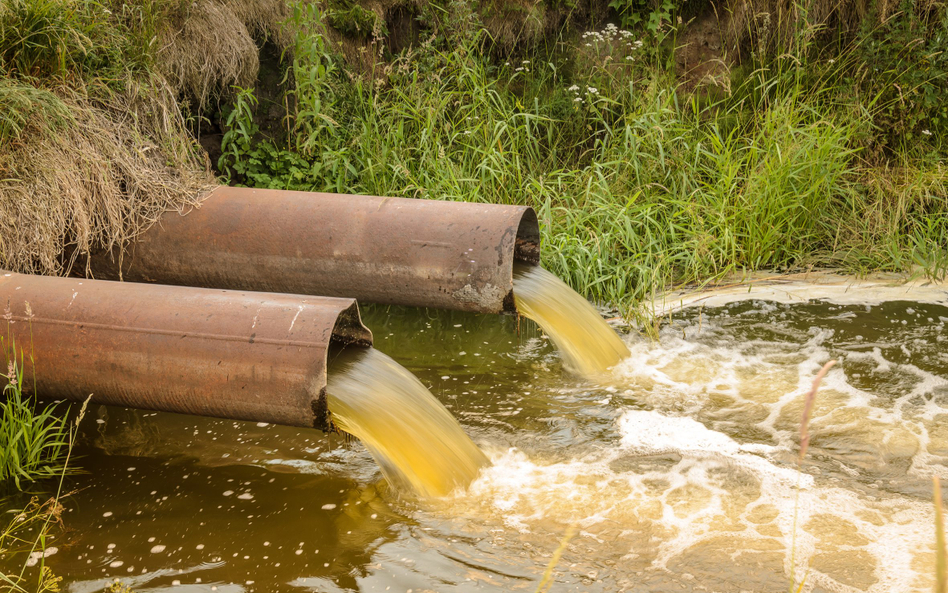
(707, 487)
(712, 459)
(762, 384)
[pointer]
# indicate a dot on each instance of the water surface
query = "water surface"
(678, 471)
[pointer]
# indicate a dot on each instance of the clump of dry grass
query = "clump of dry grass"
(264, 19)
(98, 179)
(525, 23)
(210, 52)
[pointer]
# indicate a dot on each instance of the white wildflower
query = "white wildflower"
(573, 88)
(927, 132)
(592, 90)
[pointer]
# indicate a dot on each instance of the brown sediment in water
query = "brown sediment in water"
(418, 444)
(586, 342)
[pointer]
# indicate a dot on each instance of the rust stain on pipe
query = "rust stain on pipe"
(422, 253)
(226, 354)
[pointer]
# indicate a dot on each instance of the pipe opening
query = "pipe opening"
(527, 247)
(347, 331)
(526, 251)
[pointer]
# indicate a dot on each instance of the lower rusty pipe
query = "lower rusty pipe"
(226, 354)
(422, 253)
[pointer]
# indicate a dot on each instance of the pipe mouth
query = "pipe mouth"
(347, 331)
(527, 245)
(526, 250)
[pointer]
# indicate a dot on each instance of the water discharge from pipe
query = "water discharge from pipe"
(416, 441)
(586, 342)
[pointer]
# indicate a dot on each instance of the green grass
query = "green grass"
(33, 440)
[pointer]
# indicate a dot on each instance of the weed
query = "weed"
(32, 440)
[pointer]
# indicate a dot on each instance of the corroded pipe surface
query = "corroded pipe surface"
(227, 354)
(423, 253)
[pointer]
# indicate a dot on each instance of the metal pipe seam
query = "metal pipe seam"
(219, 353)
(423, 253)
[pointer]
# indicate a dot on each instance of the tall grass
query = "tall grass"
(28, 530)
(33, 439)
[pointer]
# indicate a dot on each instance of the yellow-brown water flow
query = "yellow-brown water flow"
(586, 342)
(415, 440)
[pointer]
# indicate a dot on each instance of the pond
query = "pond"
(677, 472)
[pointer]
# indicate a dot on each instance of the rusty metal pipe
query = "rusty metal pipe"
(226, 354)
(423, 253)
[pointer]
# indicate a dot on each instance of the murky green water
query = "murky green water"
(679, 472)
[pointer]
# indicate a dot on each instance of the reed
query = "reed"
(546, 581)
(808, 402)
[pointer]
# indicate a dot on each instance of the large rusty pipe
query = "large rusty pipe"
(423, 253)
(226, 354)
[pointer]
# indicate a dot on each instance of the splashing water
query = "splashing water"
(588, 345)
(415, 440)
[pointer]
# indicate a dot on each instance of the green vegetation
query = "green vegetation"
(35, 444)
(33, 441)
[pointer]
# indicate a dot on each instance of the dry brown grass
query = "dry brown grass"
(264, 19)
(213, 45)
(210, 52)
(98, 180)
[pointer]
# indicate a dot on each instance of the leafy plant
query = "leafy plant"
(311, 70)
(652, 15)
(237, 146)
(903, 68)
(352, 19)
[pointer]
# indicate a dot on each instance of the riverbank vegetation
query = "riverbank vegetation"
(661, 143)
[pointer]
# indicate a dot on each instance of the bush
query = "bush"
(903, 69)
